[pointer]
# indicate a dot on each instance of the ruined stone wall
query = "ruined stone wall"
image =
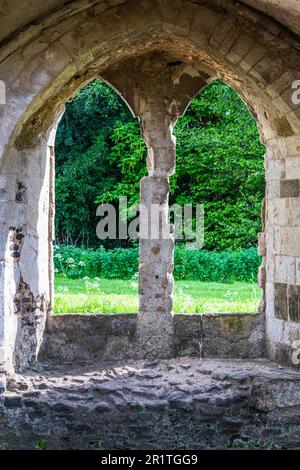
(171, 49)
(24, 260)
(116, 337)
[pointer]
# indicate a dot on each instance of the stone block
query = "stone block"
(293, 167)
(281, 106)
(293, 145)
(106, 325)
(154, 190)
(294, 303)
(289, 188)
(286, 241)
(283, 354)
(293, 119)
(230, 39)
(154, 323)
(156, 346)
(156, 302)
(270, 264)
(255, 54)
(275, 169)
(221, 31)
(186, 16)
(272, 188)
(283, 127)
(72, 337)
(171, 10)
(219, 335)
(284, 212)
(276, 148)
(280, 301)
(153, 251)
(269, 69)
(294, 212)
(161, 161)
(240, 48)
(205, 21)
(156, 278)
(284, 81)
(285, 269)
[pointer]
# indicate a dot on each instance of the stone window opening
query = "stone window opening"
(220, 150)
(57, 238)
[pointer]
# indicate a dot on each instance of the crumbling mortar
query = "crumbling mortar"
(24, 301)
(20, 192)
(30, 309)
(16, 241)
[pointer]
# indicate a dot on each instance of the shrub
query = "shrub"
(122, 263)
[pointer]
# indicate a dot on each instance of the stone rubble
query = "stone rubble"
(168, 404)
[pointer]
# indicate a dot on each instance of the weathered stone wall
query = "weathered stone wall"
(116, 337)
(90, 337)
(24, 259)
(220, 335)
(171, 49)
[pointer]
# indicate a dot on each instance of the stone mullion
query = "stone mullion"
(155, 322)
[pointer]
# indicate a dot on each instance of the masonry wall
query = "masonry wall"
(157, 55)
(115, 337)
(24, 260)
(283, 280)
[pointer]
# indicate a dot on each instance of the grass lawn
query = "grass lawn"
(119, 296)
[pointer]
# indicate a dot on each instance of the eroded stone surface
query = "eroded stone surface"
(170, 404)
(103, 337)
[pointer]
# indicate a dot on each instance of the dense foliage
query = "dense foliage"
(100, 157)
(84, 166)
(122, 263)
(220, 164)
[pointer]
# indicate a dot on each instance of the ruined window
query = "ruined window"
(99, 160)
(220, 172)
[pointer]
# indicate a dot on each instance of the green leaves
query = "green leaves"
(87, 169)
(128, 156)
(220, 164)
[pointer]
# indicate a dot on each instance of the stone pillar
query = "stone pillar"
(155, 321)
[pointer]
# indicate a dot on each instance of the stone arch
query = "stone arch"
(175, 47)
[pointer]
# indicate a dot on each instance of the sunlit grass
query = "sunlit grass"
(121, 296)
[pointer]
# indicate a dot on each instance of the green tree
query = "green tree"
(84, 166)
(220, 164)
